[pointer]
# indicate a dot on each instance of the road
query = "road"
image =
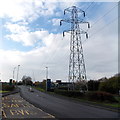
(13, 106)
(63, 108)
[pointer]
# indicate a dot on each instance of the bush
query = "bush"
(69, 93)
(100, 96)
(8, 87)
(112, 85)
(93, 85)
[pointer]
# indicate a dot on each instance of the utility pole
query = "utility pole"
(77, 71)
(33, 76)
(14, 72)
(17, 73)
(46, 73)
(46, 76)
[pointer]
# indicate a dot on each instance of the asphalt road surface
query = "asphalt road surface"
(13, 106)
(63, 108)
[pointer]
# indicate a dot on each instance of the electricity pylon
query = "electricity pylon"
(77, 71)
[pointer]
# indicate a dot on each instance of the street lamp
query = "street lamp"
(14, 72)
(46, 76)
(0, 77)
(17, 73)
(46, 73)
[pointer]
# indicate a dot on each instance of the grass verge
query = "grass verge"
(3, 91)
(40, 89)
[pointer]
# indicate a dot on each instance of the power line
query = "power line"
(92, 8)
(56, 50)
(89, 6)
(104, 15)
(96, 22)
(105, 26)
(101, 29)
(93, 23)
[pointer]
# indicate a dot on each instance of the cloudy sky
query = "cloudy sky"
(30, 36)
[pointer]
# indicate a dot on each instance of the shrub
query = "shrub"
(69, 93)
(100, 96)
(93, 85)
(8, 87)
(112, 85)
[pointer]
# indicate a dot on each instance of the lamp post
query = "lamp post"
(14, 72)
(46, 73)
(17, 73)
(0, 78)
(46, 76)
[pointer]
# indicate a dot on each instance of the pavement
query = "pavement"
(63, 108)
(14, 106)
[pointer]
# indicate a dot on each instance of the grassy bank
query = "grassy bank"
(40, 89)
(3, 91)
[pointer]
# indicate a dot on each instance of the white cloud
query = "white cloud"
(28, 38)
(22, 34)
(16, 28)
(100, 53)
(25, 10)
(51, 55)
(29, 10)
(56, 21)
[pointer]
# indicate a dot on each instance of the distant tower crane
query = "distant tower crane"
(77, 71)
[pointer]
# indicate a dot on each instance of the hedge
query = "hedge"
(8, 87)
(69, 93)
(100, 96)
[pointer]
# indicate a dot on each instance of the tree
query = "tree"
(10, 82)
(43, 84)
(112, 85)
(27, 80)
(81, 85)
(93, 85)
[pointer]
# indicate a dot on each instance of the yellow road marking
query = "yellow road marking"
(4, 105)
(11, 111)
(23, 105)
(7, 106)
(4, 114)
(14, 105)
(27, 112)
(51, 115)
(21, 111)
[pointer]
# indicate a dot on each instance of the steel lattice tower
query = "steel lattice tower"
(77, 71)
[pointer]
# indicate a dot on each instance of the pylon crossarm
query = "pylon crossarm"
(70, 9)
(66, 31)
(84, 22)
(67, 10)
(79, 10)
(66, 20)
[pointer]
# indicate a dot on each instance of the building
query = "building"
(62, 85)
